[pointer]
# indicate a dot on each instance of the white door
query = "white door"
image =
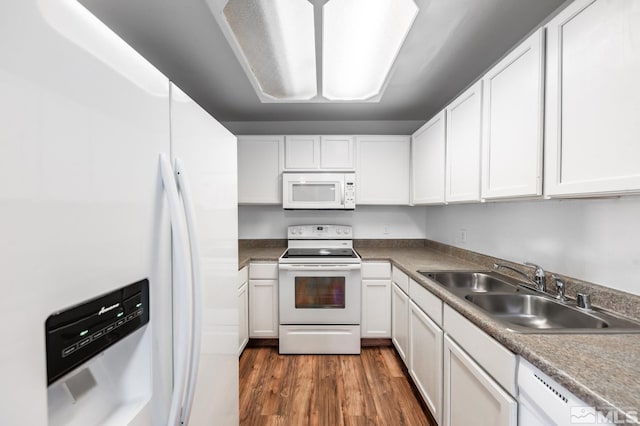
(260, 164)
(428, 162)
(263, 308)
(592, 108)
(208, 153)
(383, 169)
(376, 308)
(464, 135)
(82, 205)
(301, 152)
(400, 322)
(471, 396)
(425, 355)
(243, 311)
(512, 123)
(337, 152)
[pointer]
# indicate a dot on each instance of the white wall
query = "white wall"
(593, 240)
(367, 221)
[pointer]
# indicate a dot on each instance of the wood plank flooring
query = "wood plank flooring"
(332, 390)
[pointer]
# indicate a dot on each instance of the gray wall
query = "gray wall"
(597, 240)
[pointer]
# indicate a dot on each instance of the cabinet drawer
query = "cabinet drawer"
(379, 270)
(243, 276)
(494, 358)
(263, 270)
(401, 279)
(427, 301)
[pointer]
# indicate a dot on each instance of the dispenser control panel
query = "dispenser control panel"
(78, 333)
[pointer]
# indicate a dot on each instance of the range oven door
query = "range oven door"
(319, 294)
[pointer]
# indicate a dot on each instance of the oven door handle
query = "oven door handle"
(350, 267)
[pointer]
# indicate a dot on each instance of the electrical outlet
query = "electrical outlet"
(462, 236)
(386, 229)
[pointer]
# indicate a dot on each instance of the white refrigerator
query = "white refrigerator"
(87, 127)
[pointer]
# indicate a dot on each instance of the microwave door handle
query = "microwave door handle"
(342, 191)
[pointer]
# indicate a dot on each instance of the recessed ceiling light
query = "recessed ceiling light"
(361, 39)
(277, 41)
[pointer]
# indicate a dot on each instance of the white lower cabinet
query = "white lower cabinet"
(400, 321)
(471, 396)
(243, 309)
(263, 300)
(376, 300)
(425, 358)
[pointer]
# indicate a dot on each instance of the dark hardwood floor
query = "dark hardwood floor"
(332, 390)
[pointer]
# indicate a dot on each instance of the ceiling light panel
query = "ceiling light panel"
(361, 39)
(277, 42)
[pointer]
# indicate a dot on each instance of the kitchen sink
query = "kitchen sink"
(476, 282)
(532, 311)
(522, 309)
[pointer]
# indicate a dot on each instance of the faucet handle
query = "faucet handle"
(583, 300)
(560, 288)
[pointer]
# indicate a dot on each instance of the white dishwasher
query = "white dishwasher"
(543, 402)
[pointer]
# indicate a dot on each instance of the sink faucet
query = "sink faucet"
(538, 279)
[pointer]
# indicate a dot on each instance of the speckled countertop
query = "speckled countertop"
(602, 370)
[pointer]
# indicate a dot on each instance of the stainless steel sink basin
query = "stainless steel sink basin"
(532, 311)
(524, 310)
(476, 282)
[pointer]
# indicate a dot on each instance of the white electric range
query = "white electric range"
(319, 286)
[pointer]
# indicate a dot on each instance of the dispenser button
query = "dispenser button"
(68, 351)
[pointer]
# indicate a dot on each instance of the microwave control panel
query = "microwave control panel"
(350, 191)
(77, 334)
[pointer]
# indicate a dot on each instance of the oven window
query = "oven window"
(320, 292)
(313, 192)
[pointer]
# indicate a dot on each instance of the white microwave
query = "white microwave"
(319, 191)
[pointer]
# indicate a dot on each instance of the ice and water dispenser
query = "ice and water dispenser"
(98, 359)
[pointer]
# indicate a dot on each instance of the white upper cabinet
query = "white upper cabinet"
(301, 152)
(512, 123)
(318, 152)
(260, 161)
(464, 137)
(382, 169)
(428, 157)
(336, 152)
(593, 98)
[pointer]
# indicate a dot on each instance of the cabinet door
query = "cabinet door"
(464, 135)
(400, 322)
(425, 355)
(592, 129)
(263, 312)
(301, 152)
(383, 170)
(336, 152)
(243, 310)
(512, 123)
(428, 169)
(471, 396)
(376, 309)
(259, 169)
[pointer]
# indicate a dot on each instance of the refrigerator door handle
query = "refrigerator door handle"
(196, 288)
(179, 236)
